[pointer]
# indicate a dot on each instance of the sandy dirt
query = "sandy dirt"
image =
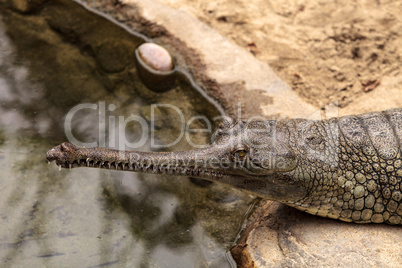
(325, 50)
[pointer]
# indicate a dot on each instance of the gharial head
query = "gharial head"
(253, 156)
(252, 148)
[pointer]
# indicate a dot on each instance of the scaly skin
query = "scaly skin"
(347, 168)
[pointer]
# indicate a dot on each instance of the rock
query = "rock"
(200, 182)
(25, 6)
(155, 67)
(153, 115)
(280, 236)
(156, 57)
(113, 56)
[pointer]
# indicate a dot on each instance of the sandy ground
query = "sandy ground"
(325, 50)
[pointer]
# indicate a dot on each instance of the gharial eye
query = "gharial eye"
(240, 154)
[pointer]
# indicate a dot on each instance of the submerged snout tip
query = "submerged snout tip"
(59, 151)
(52, 153)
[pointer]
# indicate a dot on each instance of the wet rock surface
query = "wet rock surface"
(53, 59)
(114, 55)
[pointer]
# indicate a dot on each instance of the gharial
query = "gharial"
(347, 168)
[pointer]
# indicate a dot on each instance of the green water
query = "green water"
(57, 56)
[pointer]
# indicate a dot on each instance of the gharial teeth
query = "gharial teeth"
(59, 167)
(70, 166)
(48, 162)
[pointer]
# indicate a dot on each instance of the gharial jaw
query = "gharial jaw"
(201, 163)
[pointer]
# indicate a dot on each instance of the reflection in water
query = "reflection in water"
(50, 61)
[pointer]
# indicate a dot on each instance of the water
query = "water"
(59, 56)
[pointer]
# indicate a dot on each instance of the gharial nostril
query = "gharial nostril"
(54, 154)
(50, 155)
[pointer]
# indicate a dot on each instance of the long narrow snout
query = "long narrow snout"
(209, 163)
(199, 163)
